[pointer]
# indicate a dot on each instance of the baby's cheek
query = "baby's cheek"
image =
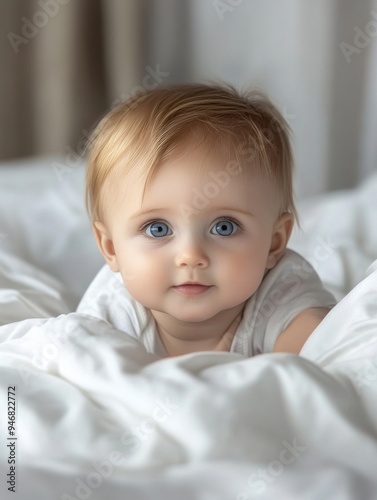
(137, 289)
(142, 280)
(135, 267)
(249, 272)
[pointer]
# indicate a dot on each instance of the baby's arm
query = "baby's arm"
(299, 330)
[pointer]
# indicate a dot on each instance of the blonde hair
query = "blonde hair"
(145, 130)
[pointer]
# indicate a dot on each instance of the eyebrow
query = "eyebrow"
(237, 210)
(143, 213)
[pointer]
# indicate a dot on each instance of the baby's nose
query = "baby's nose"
(191, 254)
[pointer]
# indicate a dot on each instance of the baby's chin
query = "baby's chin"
(193, 319)
(190, 316)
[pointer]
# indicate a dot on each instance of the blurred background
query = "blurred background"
(64, 63)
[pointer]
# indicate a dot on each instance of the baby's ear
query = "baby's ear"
(105, 245)
(280, 237)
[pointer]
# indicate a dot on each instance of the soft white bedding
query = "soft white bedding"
(339, 235)
(98, 417)
(43, 224)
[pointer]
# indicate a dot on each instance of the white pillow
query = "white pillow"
(44, 223)
(339, 235)
(28, 292)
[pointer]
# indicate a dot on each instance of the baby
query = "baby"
(189, 189)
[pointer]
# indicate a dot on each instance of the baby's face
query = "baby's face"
(216, 228)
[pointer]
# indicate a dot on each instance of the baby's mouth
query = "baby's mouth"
(192, 288)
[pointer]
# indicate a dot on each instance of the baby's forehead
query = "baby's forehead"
(196, 167)
(195, 159)
(189, 164)
(208, 153)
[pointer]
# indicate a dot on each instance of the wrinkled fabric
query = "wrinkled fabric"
(99, 416)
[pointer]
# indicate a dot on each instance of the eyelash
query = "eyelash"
(229, 219)
(144, 226)
(224, 218)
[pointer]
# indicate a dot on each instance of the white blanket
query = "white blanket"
(98, 417)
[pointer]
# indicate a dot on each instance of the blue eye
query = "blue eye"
(224, 228)
(157, 230)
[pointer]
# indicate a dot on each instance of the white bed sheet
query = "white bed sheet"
(98, 417)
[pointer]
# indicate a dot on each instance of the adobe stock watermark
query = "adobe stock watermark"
(258, 481)
(140, 433)
(201, 198)
(112, 294)
(292, 280)
(223, 7)
(367, 375)
(151, 80)
(132, 440)
(58, 339)
(30, 28)
(250, 151)
(361, 39)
